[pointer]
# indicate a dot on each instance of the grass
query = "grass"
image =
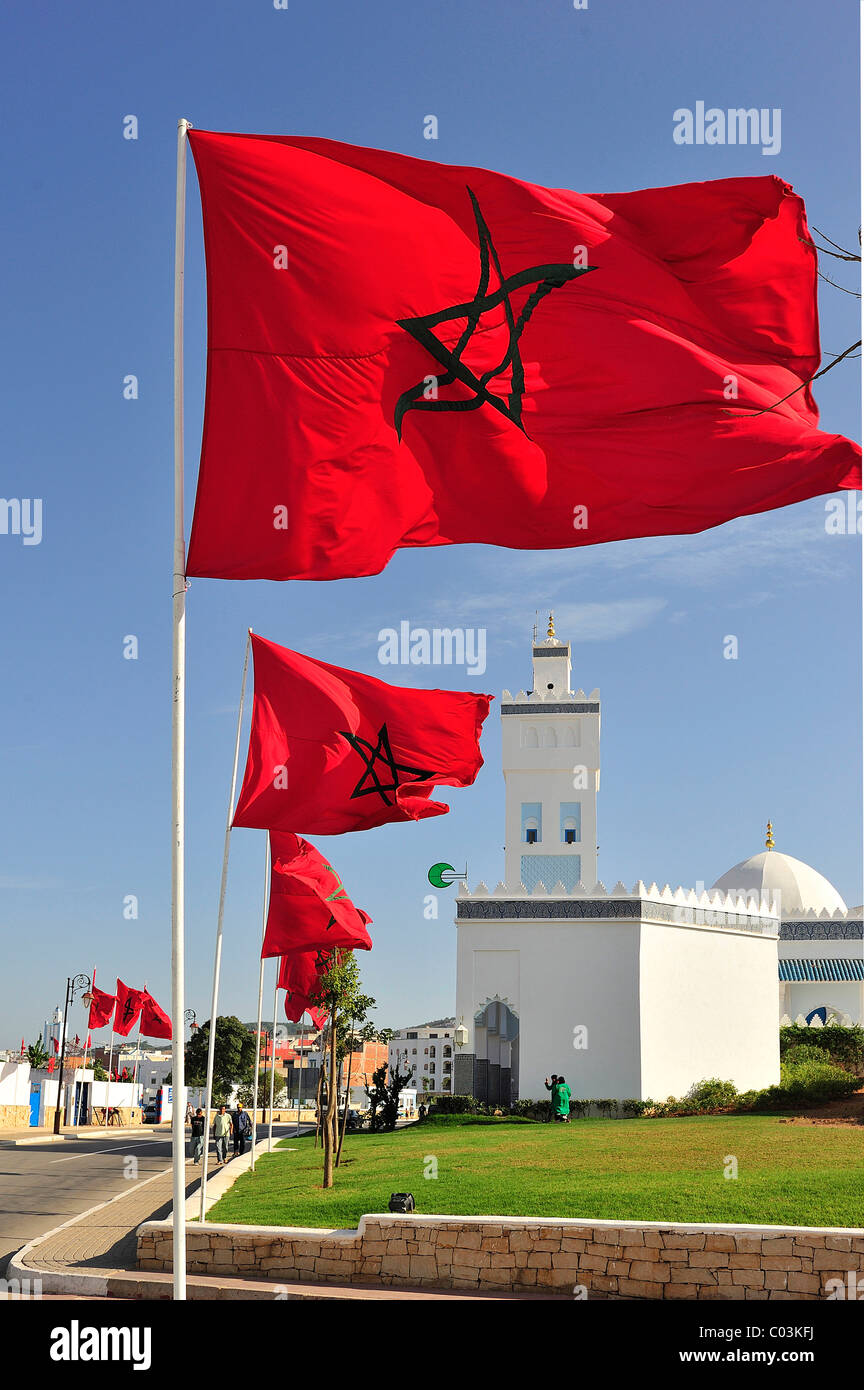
(650, 1170)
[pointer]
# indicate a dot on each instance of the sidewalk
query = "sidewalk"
(93, 1256)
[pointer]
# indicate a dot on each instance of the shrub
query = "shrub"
(712, 1094)
(844, 1046)
(456, 1105)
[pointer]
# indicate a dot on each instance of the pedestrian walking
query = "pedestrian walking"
(198, 1123)
(221, 1129)
(241, 1128)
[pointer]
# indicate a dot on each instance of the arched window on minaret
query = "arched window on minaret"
(550, 738)
(530, 739)
(571, 739)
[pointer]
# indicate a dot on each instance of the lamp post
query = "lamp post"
(74, 985)
(191, 1018)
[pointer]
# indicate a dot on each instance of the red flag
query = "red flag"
(333, 750)
(155, 1023)
(296, 1006)
(309, 908)
(56, 1042)
(403, 353)
(129, 1005)
(300, 975)
(101, 1006)
(23, 1048)
(88, 1043)
(52, 1062)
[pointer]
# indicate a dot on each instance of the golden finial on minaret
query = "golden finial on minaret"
(551, 631)
(769, 838)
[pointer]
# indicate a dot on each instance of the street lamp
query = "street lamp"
(74, 985)
(191, 1018)
(460, 1037)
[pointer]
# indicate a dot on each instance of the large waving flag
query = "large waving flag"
(403, 353)
(130, 1002)
(332, 750)
(309, 907)
(101, 1007)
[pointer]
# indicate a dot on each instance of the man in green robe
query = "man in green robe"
(561, 1101)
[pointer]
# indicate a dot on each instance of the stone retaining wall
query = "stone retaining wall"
(608, 1259)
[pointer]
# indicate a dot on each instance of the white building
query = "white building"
(821, 965)
(429, 1049)
(631, 993)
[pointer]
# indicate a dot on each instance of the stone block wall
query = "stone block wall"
(605, 1259)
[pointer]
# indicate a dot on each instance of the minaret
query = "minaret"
(551, 754)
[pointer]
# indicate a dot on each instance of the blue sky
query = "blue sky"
(698, 751)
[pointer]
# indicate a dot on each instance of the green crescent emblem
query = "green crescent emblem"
(437, 875)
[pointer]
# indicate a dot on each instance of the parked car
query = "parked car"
(151, 1113)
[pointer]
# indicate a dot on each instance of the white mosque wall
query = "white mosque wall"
(667, 988)
(565, 975)
(707, 1009)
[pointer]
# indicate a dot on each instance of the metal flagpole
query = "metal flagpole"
(86, 1049)
(108, 1082)
(136, 1067)
(260, 1005)
(178, 750)
(273, 1059)
(300, 1083)
(217, 955)
(60, 1098)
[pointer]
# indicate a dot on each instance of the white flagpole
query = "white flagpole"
(260, 1005)
(273, 1059)
(178, 746)
(300, 1084)
(108, 1082)
(217, 956)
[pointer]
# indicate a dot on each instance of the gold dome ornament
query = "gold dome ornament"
(769, 838)
(551, 629)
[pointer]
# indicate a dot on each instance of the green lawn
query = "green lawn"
(651, 1170)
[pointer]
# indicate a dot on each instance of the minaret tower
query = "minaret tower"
(551, 753)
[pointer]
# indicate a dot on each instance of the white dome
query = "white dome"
(801, 888)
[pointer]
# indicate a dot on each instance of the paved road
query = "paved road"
(43, 1185)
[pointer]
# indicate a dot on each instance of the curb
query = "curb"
(93, 1285)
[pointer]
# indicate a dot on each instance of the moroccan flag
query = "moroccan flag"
(299, 974)
(309, 908)
(333, 750)
(129, 1005)
(101, 1006)
(155, 1023)
(403, 353)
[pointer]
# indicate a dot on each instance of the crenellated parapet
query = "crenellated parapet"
(750, 912)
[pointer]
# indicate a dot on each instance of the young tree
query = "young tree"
(338, 992)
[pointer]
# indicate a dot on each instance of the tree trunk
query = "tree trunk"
(347, 1097)
(332, 1104)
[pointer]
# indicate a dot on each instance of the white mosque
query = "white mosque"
(639, 992)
